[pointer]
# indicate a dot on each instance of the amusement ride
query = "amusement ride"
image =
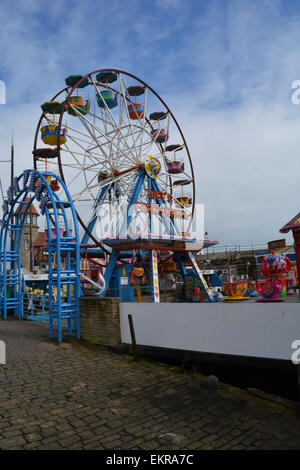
(108, 149)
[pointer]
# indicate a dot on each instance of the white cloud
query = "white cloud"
(246, 166)
(224, 68)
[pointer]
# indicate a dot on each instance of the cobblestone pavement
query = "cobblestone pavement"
(79, 396)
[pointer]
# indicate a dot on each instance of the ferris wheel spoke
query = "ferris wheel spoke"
(113, 122)
(148, 145)
(117, 178)
(89, 187)
(79, 145)
(101, 136)
(79, 153)
(85, 122)
(92, 134)
(76, 130)
(73, 180)
(144, 122)
(122, 86)
(74, 157)
(116, 133)
(163, 184)
(78, 139)
(129, 126)
(66, 165)
(83, 118)
(86, 150)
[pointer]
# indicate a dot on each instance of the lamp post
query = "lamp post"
(11, 161)
(248, 264)
(30, 240)
(205, 238)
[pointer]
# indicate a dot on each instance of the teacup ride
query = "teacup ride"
(273, 266)
(235, 290)
(226, 288)
(251, 289)
(270, 291)
(289, 285)
(282, 294)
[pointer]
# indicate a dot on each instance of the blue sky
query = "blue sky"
(225, 68)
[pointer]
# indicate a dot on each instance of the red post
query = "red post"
(296, 234)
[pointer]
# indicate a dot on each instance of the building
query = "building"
(238, 263)
(29, 235)
(294, 226)
(39, 254)
(230, 264)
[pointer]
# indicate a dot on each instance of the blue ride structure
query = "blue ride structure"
(63, 249)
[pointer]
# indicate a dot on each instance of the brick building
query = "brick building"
(29, 235)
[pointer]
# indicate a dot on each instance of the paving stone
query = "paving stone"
(74, 397)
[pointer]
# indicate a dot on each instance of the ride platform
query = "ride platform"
(158, 242)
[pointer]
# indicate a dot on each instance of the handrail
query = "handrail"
(101, 287)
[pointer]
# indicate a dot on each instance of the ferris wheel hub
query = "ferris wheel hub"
(152, 166)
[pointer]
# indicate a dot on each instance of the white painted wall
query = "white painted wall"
(245, 329)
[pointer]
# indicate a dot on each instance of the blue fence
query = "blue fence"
(35, 307)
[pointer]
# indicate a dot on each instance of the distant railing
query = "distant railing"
(227, 249)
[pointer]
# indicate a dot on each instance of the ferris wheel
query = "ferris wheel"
(114, 141)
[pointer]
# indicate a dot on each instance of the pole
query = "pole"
(12, 160)
(133, 340)
(12, 152)
(30, 239)
(1, 189)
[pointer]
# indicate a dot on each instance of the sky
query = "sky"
(224, 67)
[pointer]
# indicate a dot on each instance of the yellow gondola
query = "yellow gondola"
(49, 135)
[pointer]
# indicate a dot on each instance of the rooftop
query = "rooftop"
(24, 206)
(293, 224)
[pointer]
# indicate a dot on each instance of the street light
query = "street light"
(247, 264)
(205, 238)
(11, 161)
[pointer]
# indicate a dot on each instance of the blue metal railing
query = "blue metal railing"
(60, 308)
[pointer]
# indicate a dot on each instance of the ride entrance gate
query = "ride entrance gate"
(63, 249)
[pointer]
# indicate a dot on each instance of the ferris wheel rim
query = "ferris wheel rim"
(69, 91)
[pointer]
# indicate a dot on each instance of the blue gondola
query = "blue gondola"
(45, 153)
(108, 77)
(107, 97)
(136, 90)
(158, 116)
(53, 107)
(72, 80)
